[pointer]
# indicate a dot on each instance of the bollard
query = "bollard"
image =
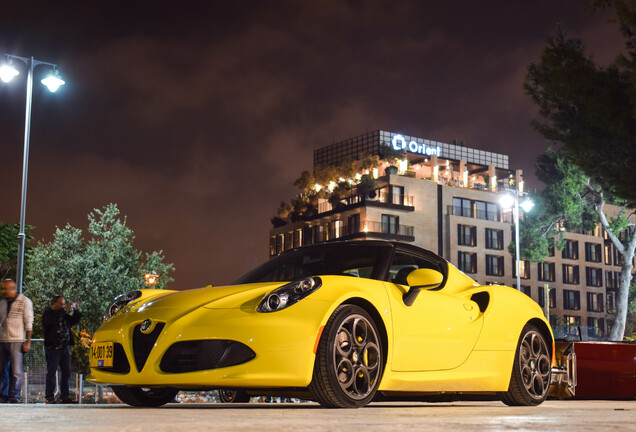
(81, 387)
(57, 384)
(25, 386)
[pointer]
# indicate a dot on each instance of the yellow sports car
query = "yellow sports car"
(340, 323)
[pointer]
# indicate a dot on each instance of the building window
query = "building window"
(298, 237)
(551, 251)
(289, 240)
(390, 224)
(553, 298)
(353, 224)
(462, 207)
(524, 269)
(487, 211)
(336, 229)
(545, 272)
(494, 239)
(571, 250)
(592, 252)
(618, 258)
(593, 277)
(570, 274)
(466, 235)
(595, 327)
(272, 246)
(494, 265)
(571, 300)
(541, 296)
(467, 262)
(612, 280)
(572, 323)
(397, 194)
(318, 233)
(611, 305)
(608, 254)
(527, 290)
(594, 302)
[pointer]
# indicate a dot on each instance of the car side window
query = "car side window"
(404, 263)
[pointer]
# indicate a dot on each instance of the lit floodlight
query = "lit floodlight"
(507, 201)
(53, 81)
(527, 205)
(8, 72)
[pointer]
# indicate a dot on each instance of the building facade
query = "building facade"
(446, 198)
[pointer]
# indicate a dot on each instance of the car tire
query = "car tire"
(233, 396)
(531, 371)
(349, 360)
(145, 397)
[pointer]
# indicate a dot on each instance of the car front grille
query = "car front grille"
(196, 355)
(143, 344)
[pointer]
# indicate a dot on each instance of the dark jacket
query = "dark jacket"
(57, 328)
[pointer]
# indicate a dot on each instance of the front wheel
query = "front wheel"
(531, 372)
(349, 360)
(145, 397)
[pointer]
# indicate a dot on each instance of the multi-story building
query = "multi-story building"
(446, 198)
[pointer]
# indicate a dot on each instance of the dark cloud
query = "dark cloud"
(197, 119)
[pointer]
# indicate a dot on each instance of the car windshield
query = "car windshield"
(352, 259)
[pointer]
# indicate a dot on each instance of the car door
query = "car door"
(438, 331)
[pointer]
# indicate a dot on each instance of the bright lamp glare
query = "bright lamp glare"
(526, 205)
(53, 82)
(507, 201)
(8, 72)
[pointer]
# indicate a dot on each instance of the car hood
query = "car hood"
(222, 297)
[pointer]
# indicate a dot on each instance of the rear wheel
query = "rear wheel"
(145, 397)
(349, 360)
(531, 372)
(233, 396)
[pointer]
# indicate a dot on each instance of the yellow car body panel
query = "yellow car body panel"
(461, 338)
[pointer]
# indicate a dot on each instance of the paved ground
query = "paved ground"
(577, 416)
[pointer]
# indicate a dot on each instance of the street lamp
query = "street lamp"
(511, 201)
(52, 82)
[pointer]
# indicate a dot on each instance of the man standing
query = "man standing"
(57, 339)
(18, 311)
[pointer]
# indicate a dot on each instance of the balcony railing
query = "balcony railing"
(370, 227)
(471, 213)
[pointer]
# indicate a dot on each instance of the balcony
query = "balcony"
(378, 198)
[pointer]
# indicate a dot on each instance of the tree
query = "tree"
(9, 248)
(93, 271)
(590, 111)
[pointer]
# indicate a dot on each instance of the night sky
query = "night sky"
(197, 117)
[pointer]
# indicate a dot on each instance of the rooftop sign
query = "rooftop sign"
(399, 143)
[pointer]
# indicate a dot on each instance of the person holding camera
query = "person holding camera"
(57, 340)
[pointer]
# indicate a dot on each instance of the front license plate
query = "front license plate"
(102, 354)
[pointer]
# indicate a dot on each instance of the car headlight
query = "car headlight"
(289, 294)
(120, 302)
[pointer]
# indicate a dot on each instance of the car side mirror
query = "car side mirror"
(421, 279)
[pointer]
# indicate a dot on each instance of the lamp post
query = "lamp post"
(52, 82)
(511, 200)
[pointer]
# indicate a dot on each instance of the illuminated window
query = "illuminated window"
(571, 300)
(593, 277)
(570, 274)
(571, 250)
(593, 252)
(467, 262)
(494, 265)
(466, 235)
(494, 239)
(524, 269)
(545, 272)
(594, 302)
